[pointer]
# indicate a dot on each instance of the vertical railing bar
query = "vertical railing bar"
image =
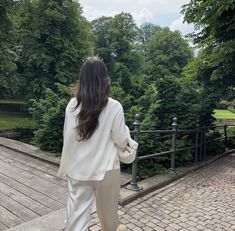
(201, 140)
(204, 143)
(196, 143)
(225, 137)
(133, 184)
(173, 146)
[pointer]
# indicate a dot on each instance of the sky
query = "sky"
(160, 12)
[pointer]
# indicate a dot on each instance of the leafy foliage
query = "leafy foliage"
(49, 111)
(214, 147)
(115, 42)
(214, 24)
(10, 81)
(55, 39)
(231, 137)
(167, 53)
(146, 32)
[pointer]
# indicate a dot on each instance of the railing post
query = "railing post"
(204, 143)
(173, 147)
(201, 143)
(225, 136)
(133, 184)
(196, 142)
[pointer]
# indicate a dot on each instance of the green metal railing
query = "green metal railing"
(199, 147)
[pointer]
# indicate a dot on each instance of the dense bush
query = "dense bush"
(49, 111)
(224, 104)
(26, 134)
(231, 109)
(231, 137)
(214, 147)
(13, 106)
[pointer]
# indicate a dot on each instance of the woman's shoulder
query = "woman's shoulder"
(73, 100)
(71, 103)
(114, 103)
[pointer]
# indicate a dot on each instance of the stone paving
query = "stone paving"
(203, 200)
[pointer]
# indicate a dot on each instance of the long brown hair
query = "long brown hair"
(93, 92)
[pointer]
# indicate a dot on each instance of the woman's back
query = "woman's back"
(90, 159)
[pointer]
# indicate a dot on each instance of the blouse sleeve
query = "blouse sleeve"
(119, 132)
(65, 122)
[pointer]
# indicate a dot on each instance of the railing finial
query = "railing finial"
(137, 119)
(175, 120)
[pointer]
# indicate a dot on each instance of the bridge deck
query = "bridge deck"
(29, 188)
(202, 200)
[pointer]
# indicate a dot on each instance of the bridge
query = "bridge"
(33, 198)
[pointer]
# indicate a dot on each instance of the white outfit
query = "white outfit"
(93, 166)
(89, 160)
(81, 197)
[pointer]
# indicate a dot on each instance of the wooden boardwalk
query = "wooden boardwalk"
(29, 188)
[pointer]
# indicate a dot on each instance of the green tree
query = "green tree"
(167, 53)
(49, 112)
(10, 82)
(102, 43)
(168, 88)
(55, 39)
(122, 34)
(214, 24)
(115, 42)
(146, 31)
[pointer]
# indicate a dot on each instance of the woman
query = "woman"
(94, 130)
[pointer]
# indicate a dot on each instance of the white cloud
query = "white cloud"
(91, 13)
(160, 12)
(144, 15)
(147, 2)
(178, 24)
(163, 6)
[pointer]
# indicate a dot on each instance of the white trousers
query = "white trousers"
(80, 200)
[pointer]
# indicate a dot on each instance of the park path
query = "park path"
(202, 200)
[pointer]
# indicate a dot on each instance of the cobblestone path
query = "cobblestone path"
(203, 200)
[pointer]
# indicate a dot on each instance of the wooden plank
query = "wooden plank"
(31, 193)
(2, 226)
(52, 169)
(36, 171)
(51, 190)
(17, 208)
(29, 203)
(9, 219)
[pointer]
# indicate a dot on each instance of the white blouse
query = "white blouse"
(90, 159)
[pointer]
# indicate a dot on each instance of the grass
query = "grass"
(11, 120)
(223, 114)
